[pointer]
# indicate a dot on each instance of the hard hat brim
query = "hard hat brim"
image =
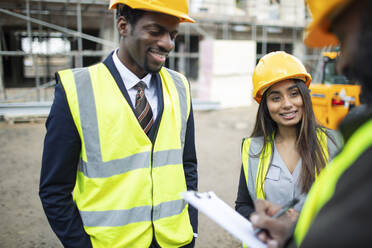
(144, 6)
(318, 32)
(316, 36)
(258, 95)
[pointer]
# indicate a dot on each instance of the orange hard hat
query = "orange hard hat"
(323, 12)
(275, 67)
(177, 8)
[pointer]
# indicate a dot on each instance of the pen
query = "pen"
(280, 212)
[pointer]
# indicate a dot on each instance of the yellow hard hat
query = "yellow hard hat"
(323, 12)
(275, 67)
(177, 8)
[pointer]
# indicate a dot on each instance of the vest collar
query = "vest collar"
(109, 62)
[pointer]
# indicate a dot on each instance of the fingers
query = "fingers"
(275, 229)
(293, 214)
(261, 206)
(273, 244)
(266, 207)
(263, 221)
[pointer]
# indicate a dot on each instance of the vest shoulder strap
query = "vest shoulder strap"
(256, 165)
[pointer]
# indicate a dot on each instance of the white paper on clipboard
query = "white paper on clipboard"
(216, 209)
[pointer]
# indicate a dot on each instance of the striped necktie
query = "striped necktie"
(143, 109)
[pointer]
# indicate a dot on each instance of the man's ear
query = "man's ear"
(122, 26)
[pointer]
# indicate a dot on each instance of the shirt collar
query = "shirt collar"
(128, 77)
(277, 159)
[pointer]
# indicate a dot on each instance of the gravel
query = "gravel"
(22, 220)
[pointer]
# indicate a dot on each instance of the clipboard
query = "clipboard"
(216, 209)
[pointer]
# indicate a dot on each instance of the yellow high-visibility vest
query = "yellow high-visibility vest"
(259, 163)
(324, 187)
(128, 189)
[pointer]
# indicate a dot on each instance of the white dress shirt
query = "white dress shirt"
(130, 80)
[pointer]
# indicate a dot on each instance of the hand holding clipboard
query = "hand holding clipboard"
(216, 209)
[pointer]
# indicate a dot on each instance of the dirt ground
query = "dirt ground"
(23, 223)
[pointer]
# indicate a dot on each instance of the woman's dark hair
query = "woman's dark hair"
(308, 145)
(131, 15)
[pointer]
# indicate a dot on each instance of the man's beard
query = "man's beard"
(148, 69)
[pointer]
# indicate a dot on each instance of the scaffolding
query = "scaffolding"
(88, 27)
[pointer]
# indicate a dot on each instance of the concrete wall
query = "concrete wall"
(293, 11)
(225, 7)
(287, 12)
(226, 68)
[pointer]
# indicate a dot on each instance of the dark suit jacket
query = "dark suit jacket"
(61, 154)
(346, 219)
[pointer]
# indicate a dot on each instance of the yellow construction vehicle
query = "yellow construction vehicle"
(334, 96)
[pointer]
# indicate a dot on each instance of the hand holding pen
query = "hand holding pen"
(282, 211)
(277, 229)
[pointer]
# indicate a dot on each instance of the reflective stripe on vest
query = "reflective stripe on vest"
(256, 164)
(184, 100)
(137, 161)
(127, 216)
(324, 187)
(115, 186)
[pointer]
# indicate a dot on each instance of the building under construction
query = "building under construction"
(217, 54)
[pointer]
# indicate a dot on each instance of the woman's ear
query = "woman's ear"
(122, 26)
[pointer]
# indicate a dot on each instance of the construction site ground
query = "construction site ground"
(22, 220)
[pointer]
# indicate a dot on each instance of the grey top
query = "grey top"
(280, 185)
